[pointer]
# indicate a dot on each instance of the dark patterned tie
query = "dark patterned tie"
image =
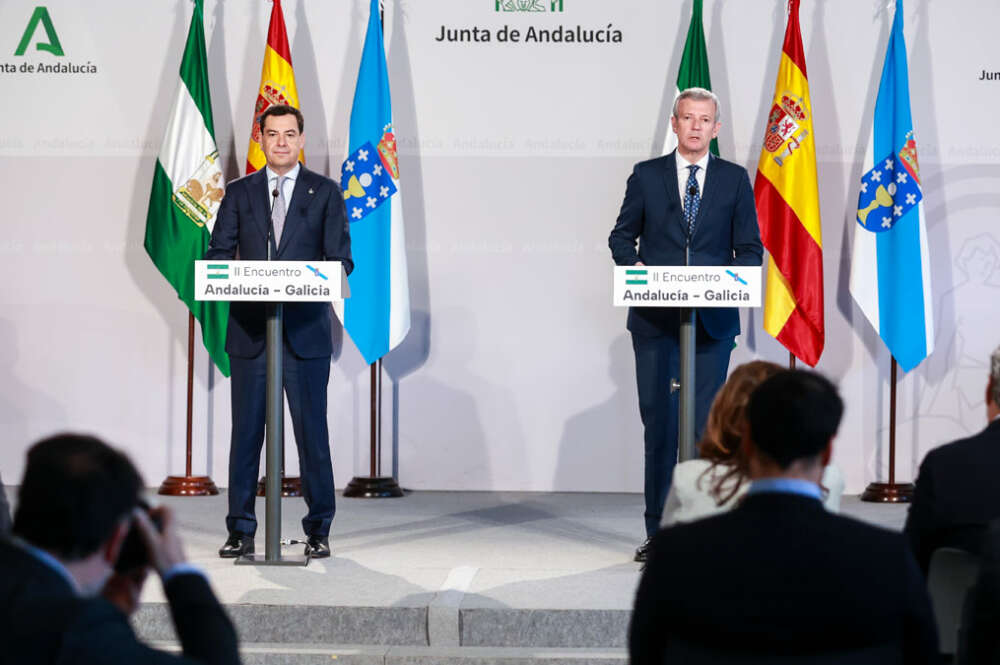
(692, 199)
(278, 210)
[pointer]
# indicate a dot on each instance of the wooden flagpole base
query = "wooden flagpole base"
(888, 493)
(290, 486)
(188, 486)
(374, 487)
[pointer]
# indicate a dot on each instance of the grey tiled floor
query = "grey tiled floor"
(516, 550)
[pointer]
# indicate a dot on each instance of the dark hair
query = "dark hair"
(74, 492)
(281, 109)
(720, 444)
(793, 415)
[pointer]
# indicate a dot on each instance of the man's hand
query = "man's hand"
(165, 549)
(123, 589)
(640, 263)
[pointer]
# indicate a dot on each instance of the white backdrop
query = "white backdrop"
(517, 374)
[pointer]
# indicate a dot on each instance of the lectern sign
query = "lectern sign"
(687, 286)
(270, 281)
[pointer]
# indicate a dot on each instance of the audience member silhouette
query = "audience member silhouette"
(779, 579)
(957, 494)
(72, 573)
(717, 480)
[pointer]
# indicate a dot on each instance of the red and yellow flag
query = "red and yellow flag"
(277, 83)
(788, 207)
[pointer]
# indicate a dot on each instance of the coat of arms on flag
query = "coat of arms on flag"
(367, 176)
(200, 196)
(783, 122)
(890, 189)
(270, 94)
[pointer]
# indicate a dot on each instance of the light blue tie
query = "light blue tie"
(692, 199)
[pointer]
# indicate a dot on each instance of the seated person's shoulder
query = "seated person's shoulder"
(687, 474)
(695, 534)
(975, 449)
(695, 481)
(97, 632)
(877, 539)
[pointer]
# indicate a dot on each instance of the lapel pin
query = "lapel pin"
(311, 190)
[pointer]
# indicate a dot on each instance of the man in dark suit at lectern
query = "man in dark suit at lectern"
(688, 196)
(310, 224)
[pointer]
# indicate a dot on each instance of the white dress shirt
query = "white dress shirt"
(683, 174)
(287, 187)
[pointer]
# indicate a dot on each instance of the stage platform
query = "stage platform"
(437, 577)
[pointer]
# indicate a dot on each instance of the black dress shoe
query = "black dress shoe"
(236, 546)
(317, 547)
(642, 552)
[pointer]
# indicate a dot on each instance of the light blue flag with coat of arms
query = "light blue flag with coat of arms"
(377, 315)
(890, 271)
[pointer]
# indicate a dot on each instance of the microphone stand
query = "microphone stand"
(686, 385)
(275, 426)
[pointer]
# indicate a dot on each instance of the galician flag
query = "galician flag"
(187, 189)
(277, 84)
(890, 276)
(377, 315)
(693, 72)
(787, 200)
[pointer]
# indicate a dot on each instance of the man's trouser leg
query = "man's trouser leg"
(306, 382)
(656, 362)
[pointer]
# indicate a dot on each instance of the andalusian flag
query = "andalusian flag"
(377, 315)
(890, 271)
(788, 207)
(187, 189)
(277, 84)
(693, 72)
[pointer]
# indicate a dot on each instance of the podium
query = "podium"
(687, 288)
(274, 283)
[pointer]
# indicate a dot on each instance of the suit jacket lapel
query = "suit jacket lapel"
(707, 192)
(260, 201)
(293, 215)
(673, 195)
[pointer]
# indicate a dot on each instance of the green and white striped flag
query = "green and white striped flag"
(693, 72)
(187, 188)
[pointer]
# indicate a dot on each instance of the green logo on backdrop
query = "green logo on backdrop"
(528, 5)
(53, 46)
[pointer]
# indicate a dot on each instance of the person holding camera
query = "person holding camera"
(80, 550)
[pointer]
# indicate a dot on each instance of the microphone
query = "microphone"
(692, 190)
(270, 224)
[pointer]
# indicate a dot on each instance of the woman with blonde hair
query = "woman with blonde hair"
(715, 481)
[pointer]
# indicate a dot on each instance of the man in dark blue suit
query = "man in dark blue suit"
(688, 194)
(779, 580)
(77, 559)
(310, 224)
(956, 496)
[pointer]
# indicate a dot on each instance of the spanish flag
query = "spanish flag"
(788, 207)
(277, 83)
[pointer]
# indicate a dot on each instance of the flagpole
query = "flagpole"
(378, 455)
(374, 419)
(188, 485)
(375, 486)
(791, 360)
(892, 424)
(890, 492)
